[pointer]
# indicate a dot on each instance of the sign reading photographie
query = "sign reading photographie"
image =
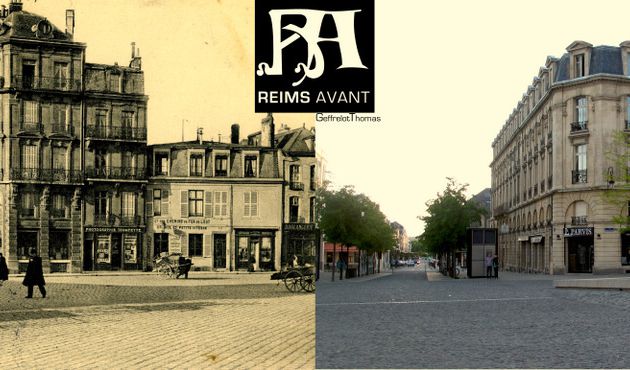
(314, 56)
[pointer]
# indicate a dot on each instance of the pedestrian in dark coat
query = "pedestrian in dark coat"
(34, 275)
(4, 270)
(495, 266)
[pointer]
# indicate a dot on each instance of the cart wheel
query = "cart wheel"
(308, 283)
(292, 281)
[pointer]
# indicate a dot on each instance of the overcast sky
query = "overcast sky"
(448, 74)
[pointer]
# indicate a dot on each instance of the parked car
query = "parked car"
(411, 263)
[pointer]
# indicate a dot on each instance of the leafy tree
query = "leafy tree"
(618, 177)
(449, 215)
(349, 219)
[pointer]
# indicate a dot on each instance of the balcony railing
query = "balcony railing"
(116, 132)
(58, 213)
(117, 173)
(579, 126)
(130, 220)
(47, 175)
(31, 127)
(45, 83)
(111, 220)
(61, 128)
(296, 185)
(579, 220)
(578, 176)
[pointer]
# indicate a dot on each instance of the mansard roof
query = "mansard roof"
(25, 25)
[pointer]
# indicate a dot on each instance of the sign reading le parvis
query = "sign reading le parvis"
(314, 56)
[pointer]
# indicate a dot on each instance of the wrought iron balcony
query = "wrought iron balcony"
(58, 213)
(61, 128)
(578, 176)
(104, 220)
(579, 220)
(130, 220)
(294, 185)
(116, 173)
(45, 83)
(116, 132)
(47, 175)
(31, 127)
(579, 126)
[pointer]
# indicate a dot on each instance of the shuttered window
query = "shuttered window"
(250, 201)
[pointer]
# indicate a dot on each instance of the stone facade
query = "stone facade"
(48, 94)
(551, 169)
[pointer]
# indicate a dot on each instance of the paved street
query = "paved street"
(518, 321)
(141, 321)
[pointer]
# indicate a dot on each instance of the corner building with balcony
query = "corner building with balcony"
(551, 171)
(48, 96)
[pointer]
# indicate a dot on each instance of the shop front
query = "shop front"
(113, 248)
(579, 249)
(299, 240)
(254, 250)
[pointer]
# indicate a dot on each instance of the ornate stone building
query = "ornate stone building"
(551, 172)
(51, 102)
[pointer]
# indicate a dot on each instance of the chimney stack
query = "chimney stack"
(267, 135)
(136, 61)
(200, 135)
(235, 133)
(15, 6)
(70, 21)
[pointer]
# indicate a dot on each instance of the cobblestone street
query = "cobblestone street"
(518, 321)
(141, 321)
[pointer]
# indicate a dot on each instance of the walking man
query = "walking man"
(495, 266)
(34, 275)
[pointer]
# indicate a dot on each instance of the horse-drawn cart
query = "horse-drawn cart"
(297, 278)
(172, 265)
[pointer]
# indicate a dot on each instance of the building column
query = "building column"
(11, 238)
(76, 240)
(44, 229)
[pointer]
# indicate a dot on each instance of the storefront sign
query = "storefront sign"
(578, 231)
(181, 224)
(523, 238)
(299, 227)
(113, 230)
(536, 239)
(610, 229)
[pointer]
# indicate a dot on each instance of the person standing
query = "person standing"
(34, 275)
(488, 263)
(4, 270)
(340, 266)
(495, 266)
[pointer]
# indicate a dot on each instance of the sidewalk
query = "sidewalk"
(326, 277)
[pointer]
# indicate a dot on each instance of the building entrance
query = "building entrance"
(580, 250)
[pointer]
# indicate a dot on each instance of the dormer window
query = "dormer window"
(220, 165)
(579, 66)
(196, 165)
(161, 164)
(251, 166)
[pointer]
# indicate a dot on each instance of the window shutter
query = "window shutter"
(246, 201)
(46, 117)
(217, 203)
(149, 203)
(208, 210)
(184, 203)
(254, 203)
(164, 202)
(207, 245)
(224, 203)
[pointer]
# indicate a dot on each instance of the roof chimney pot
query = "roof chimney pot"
(70, 21)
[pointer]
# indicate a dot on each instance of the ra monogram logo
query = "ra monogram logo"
(310, 33)
(314, 56)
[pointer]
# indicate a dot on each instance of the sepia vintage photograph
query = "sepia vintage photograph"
(150, 217)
